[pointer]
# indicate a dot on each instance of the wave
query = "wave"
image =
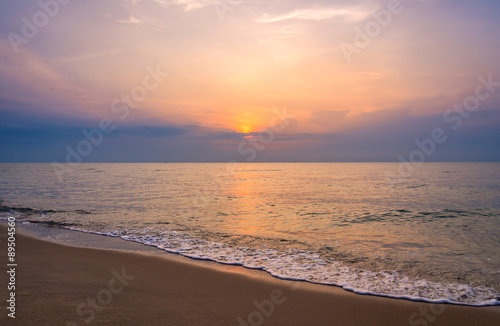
(28, 211)
(302, 265)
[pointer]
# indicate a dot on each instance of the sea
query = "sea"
(429, 233)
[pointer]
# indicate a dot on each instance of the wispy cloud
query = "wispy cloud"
(33, 82)
(189, 4)
(131, 20)
(87, 56)
(318, 14)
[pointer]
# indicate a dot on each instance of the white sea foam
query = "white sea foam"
(308, 266)
(303, 265)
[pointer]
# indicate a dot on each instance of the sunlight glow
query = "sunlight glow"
(245, 129)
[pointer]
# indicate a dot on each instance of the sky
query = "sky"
(249, 81)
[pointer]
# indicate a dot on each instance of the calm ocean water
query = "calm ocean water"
(433, 235)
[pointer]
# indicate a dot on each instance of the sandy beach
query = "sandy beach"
(63, 285)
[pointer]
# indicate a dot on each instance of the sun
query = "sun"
(248, 120)
(245, 129)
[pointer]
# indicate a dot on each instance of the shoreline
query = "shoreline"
(74, 237)
(83, 286)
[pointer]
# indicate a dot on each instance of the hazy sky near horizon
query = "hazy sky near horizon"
(222, 69)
